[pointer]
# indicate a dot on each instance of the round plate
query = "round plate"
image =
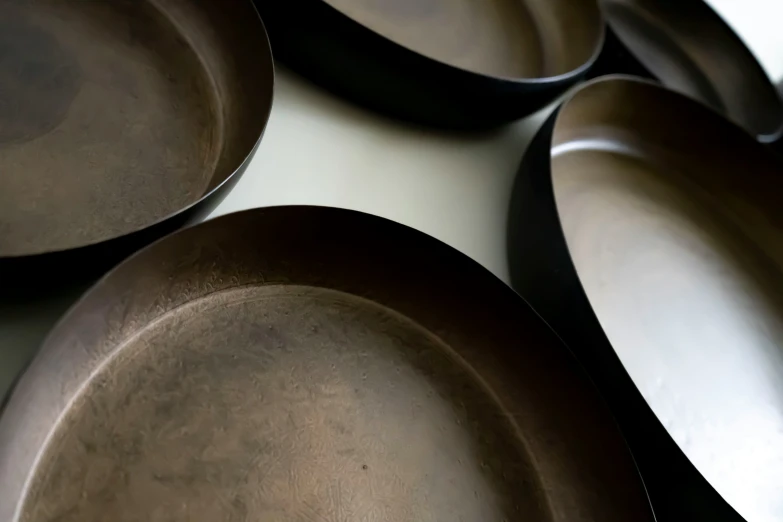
(302, 363)
(453, 63)
(117, 115)
(501, 38)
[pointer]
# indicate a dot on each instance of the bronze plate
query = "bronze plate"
(302, 363)
(498, 38)
(117, 114)
(690, 49)
(674, 223)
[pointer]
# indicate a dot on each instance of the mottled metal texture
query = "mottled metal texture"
(304, 363)
(448, 63)
(688, 47)
(502, 38)
(647, 230)
(117, 115)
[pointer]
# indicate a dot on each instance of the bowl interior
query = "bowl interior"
(328, 372)
(673, 221)
(690, 49)
(499, 38)
(118, 114)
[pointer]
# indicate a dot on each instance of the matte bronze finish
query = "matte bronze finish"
(645, 222)
(303, 363)
(453, 63)
(688, 47)
(115, 115)
(503, 38)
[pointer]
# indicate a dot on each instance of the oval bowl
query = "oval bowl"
(454, 64)
(647, 230)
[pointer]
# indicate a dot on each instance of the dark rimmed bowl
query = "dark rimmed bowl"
(122, 122)
(309, 363)
(689, 48)
(463, 64)
(647, 230)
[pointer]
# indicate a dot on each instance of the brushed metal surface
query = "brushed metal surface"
(689, 48)
(118, 114)
(303, 363)
(499, 38)
(673, 221)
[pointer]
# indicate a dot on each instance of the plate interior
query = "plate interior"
(499, 38)
(691, 50)
(678, 245)
(110, 122)
(285, 403)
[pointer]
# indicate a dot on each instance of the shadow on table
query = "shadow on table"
(29, 308)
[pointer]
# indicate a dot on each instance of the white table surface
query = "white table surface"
(321, 150)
